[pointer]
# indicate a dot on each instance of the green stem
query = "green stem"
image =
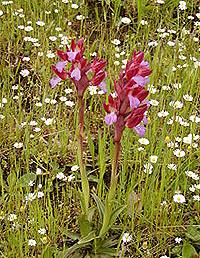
(112, 190)
(84, 179)
(114, 176)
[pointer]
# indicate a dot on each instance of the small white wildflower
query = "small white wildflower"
(154, 102)
(74, 168)
(160, 1)
(30, 197)
(32, 242)
(1, 12)
(177, 86)
(163, 113)
(31, 183)
(179, 198)
(12, 217)
(143, 141)
(172, 166)
(63, 99)
(50, 54)
(4, 101)
(140, 148)
(153, 159)
(171, 43)
(37, 129)
(116, 42)
(65, 1)
(192, 189)
(188, 139)
(26, 59)
(152, 89)
(49, 121)
(42, 231)
(33, 123)
(40, 194)
(53, 38)
(18, 145)
(188, 97)
(24, 72)
(40, 23)
(178, 240)
(40, 53)
(68, 91)
(190, 17)
(166, 87)
(126, 237)
(179, 153)
(125, 20)
(59, 29)
(38, 171)
(74, 6)
(153, 43)
(176, 104)
(70, 178)
(92, 90)
(197, 186)
(38, 104)
(196, 198)
(80, 17)
(116, 62)
(148, 168)
(143, 22)
(60, 176)
(28, 28)
(182, 5)
(69, 103)
(53, 101)
(194, 119)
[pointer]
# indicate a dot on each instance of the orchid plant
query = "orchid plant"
(126, 107)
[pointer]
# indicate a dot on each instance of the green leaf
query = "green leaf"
(193, 233)
(73, 235)
(100, 206)
(107, 251)
(48, 253)
(83, 242)
(85, 225)
(71, 250)
(12, 178)
(25, 179)
(189, 251)
(115, 214)
(87, 239)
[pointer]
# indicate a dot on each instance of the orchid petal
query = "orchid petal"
(139, 80)
(61, 65)
(76, 74)
(54, 81)
(140, 130)
(71, 55)
(102, 86)
(134, 102)
(111, 118)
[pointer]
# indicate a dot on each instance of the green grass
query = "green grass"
(153, 226)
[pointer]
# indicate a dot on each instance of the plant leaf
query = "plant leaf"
(25, 179)
(193, 233)
(189, 251)
(87, 239)
(85, 225)
(115, 214)
(100, 206)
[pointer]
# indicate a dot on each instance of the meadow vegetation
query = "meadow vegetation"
(159, 179)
